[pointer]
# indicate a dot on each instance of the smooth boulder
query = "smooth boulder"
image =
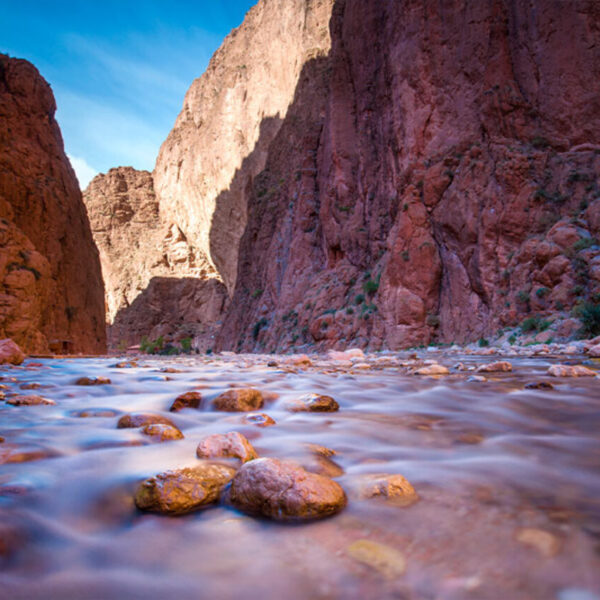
(187, 400)
(239, 400)
(141, 419)
(283, 490)
(160, 432)
(10, 353)
(29, 401)
(226, 445)
(182, 491)
(314, 403)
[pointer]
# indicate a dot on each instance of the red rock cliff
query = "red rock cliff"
(51, 292)
(436, 177)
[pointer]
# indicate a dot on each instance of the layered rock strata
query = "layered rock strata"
(51, 293)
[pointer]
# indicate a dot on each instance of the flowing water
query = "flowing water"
(508, 479)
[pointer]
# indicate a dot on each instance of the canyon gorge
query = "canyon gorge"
(351, 173)
(343, 173)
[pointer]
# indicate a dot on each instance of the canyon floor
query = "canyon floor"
(505, 465)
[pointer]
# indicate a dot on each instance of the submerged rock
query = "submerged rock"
(284, 490)
(258, 419)
(142, 419)
(93, 381)
(313, 403)
(386, 560)
(570, 371)
(187, 400)
(10, 353)
(395, 488)
(182, 491)
(544, 542)
(239, 400)
(226, 445)
(161, 432)
(539, 385)
(29, 401)
(95, 412)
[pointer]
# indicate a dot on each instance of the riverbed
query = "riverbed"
(508, 480)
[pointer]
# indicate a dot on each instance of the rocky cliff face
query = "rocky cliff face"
(435, 178)
(391, 173)
(51, 293)
(156, 282)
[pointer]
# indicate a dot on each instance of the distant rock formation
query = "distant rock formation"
(51, 294)
(386, 174)
(156, 282)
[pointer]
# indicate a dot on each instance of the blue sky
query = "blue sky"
(119, 70)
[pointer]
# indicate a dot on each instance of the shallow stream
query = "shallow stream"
(508, 479)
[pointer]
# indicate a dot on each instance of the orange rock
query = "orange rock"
(239, 400)
(161, 432)
(186, 400)
(142, 419)
(498, 366)
(570, 371)
(10, 353)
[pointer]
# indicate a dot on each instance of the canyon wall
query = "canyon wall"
(389, 173)
(435, 178)
(51, 294)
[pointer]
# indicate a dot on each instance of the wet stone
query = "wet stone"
(160, 432)
(95, 412)
(500, 366)
(127, 364)
(187, 400)
(539, 385)
(239, 400)
(386, 560)
(476, 379)
(30, 386)
(313, 403)
(434, 369)
(284, 491)
(29, 401)
(258, 419)
(322, 465)
(142, 419)
(182, 491)
(92, 381)
(570, 371)
(170, 370)
(11, 453)
(393, 487)
(226, 445)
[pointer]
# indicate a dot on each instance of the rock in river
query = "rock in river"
(93, 381)
(284, 491)
(395, 488)
(182, 491)
(239, 400)
(314, 403)
(258, 419)
(29, 401)
(570, 371)
(495, 367)
(187, 400)
(160, 432)
(141, 419)
(226, 445)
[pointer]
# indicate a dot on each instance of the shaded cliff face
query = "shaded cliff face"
(156, 281)
(435, 177)
(51, 287)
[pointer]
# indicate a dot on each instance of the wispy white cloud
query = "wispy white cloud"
(85, 173)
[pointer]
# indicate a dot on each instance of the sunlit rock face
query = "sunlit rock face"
(231, 114)
(433, 179)
(51, 287)
(157, 282)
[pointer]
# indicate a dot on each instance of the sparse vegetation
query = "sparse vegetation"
(258, 326)
(589, 313)
(535, 323)
(483, 342)
(542, 292)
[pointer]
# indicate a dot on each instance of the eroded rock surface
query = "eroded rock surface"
(284, 490)
(51, 295)
(182, 491)
(226, 445)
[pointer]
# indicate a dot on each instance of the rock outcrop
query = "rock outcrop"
(51, 294)
(157, 283)
(385, 174)
(435, 178)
